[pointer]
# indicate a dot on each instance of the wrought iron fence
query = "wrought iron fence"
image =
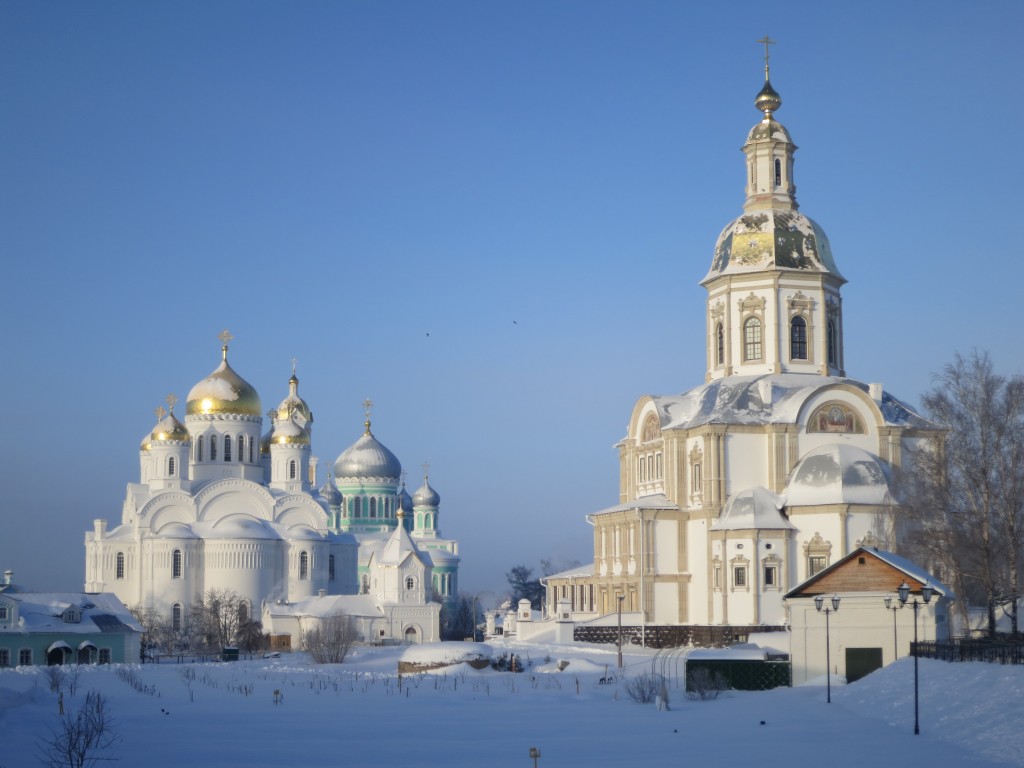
(993, 652)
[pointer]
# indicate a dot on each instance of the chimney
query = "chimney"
(8, 577)
(99, 528)
(875, 390)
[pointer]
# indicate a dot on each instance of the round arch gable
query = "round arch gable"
(300, 509)
(866, 408)
(165, 508)
(233, 497)
(644, 407)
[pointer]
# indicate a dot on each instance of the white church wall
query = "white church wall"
(666, 603)
(746, 462)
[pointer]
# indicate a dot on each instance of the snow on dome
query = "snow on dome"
(838, 474)
(295, 405)
(740, 400)
(366, 458)
(750, 509)
(287, 432)
(176, 531)
(771, 239)
(223, 391)
(329, 492)
(241, 527)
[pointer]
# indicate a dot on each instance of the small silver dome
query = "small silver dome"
(329, 492)
(426, 496)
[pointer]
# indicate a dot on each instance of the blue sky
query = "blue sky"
(536, 185)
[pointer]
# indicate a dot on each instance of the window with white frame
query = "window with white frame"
(119, 568)
(303, 565)
(5, 657)
(104, 656)
(25, 657)
(752, 344)
(176, 564)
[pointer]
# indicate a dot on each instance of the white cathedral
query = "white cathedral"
(737, 490)
(220, 506)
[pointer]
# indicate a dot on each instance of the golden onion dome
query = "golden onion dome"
(223, 392)
(295, 405)
(268, 436)
(767, 100)
(169, 428)
(287, 432)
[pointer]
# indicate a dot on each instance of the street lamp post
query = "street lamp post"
(475, 598)
(535, 754)
(895, 640)
(926, 594)
(621, 598)
(819, 602)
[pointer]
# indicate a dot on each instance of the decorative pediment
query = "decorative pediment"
(752, 303)
(651, 430)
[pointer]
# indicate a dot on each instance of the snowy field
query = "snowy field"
(359, 714)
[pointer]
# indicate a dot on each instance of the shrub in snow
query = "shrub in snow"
(704, 684)
(331, 641)
(643, 689)
(81, 738)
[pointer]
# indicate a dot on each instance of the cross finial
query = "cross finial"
(368, 405)
(171, 399)
(294, 361)
(225, 336)
(766, 41)
(160, 413)
(404, 473)
(426, 469)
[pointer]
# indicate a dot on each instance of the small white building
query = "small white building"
(864, 633)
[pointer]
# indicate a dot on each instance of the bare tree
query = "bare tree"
(81, 738)
(219, 616)
(331, 640)
(964, 494)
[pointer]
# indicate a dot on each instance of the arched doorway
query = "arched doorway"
(58, 653)
(87, 653)
(411, 636)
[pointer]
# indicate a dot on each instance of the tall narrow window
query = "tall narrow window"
(170, 466)
(410, 583)
(213, 447)
(199, 449)
(358, 504)
(778, 172)
(739, 576)
(719, 344)
(120, 565)
(176, 617)
(303, 565)
(697, 479)
(752, 339)
(227, 447)
(252, 450)
(373, 506)
(798, 339)
(330, 568)
(241, 448)
(292, 471)
(176, 563)
(643, 469)
(5, 657)
(831, 342)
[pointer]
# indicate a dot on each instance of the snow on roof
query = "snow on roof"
(44, 612)
(580, 570)
(362, 606)
(754, 508)
(838, 474)
(738, 400)
(910, 569)
(654, 501)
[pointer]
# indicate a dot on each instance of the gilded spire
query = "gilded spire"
(225, 336)
(368, 405)
(768, 100)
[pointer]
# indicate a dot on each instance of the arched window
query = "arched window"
(358, 507)
(252, 451)
(720, 344)
(330, 568)
(120, 565)
(831, 342)
(410, 583)
(170, 466)
(213, 447)
(303, 565)
(798, 339)
(697, 479)
(291, 469)
(426, 521)
(176, 564)
(778, 172)
(241, 448)
(373, 506)
(176, 617)
(752, 339)
(227, 447)
(199, 449)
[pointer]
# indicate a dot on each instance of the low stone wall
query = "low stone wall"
(673, 636)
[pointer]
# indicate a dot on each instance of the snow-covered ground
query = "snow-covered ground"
(359, 714)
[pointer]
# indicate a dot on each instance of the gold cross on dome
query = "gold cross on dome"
(426, 469)
(294, 361)
(368, 405)
(766, 41)
(171, 399)
(225, 336)
(160, 413)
